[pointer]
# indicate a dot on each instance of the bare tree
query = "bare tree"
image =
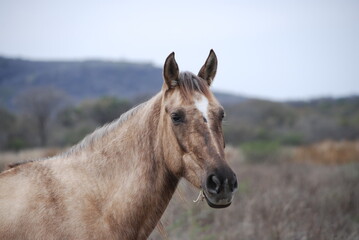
(7, 121)
(41, 103)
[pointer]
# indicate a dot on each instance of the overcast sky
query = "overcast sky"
(279, 50)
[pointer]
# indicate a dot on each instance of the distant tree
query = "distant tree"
(41, 104)
(107, 109)
(7, 122)
(78, 121)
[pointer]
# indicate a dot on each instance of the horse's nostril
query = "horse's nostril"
(234, 184)
(213, 184)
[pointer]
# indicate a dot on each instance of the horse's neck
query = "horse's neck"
(129, 166)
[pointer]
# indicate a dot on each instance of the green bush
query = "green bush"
(107, 109)
(16, 144)
(260, 151)
(292, 139)
(75, 135)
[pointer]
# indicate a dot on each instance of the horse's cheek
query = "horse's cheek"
(192, 171)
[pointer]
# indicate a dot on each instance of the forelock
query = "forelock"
(189, 84)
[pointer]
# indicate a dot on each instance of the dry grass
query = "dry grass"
(276, 201)
(329, 152)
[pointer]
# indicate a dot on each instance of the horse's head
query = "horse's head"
(194, 143)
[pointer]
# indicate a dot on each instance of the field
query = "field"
(286, 199)
(304, 193)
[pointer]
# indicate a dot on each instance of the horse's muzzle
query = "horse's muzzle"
(219, 188)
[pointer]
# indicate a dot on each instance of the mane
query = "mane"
(189, 83)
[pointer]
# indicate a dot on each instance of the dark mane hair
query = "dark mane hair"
(15, 164)
(189, 83)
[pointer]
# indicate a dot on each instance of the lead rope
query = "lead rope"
(200, 196)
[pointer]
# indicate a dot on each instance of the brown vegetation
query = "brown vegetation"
(328, 152)
(287, 200)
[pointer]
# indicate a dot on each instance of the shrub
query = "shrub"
(291, 139)
(16, 144)
(260, 151)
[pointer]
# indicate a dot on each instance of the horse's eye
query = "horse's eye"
(177, 118)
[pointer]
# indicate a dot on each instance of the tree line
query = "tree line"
(46, 117)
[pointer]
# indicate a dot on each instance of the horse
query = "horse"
(117, 182)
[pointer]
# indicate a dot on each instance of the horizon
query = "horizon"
(280, 51)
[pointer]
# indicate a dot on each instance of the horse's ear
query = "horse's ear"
(170, 71)
(209, 69)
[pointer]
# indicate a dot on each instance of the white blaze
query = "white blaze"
(202, 106)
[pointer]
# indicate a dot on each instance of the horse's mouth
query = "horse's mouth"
(221, 203)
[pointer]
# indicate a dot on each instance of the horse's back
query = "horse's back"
(29, 205)
(14, 191)
(42, 200)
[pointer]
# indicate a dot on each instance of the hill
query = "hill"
(78, 79)
(83, 79)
